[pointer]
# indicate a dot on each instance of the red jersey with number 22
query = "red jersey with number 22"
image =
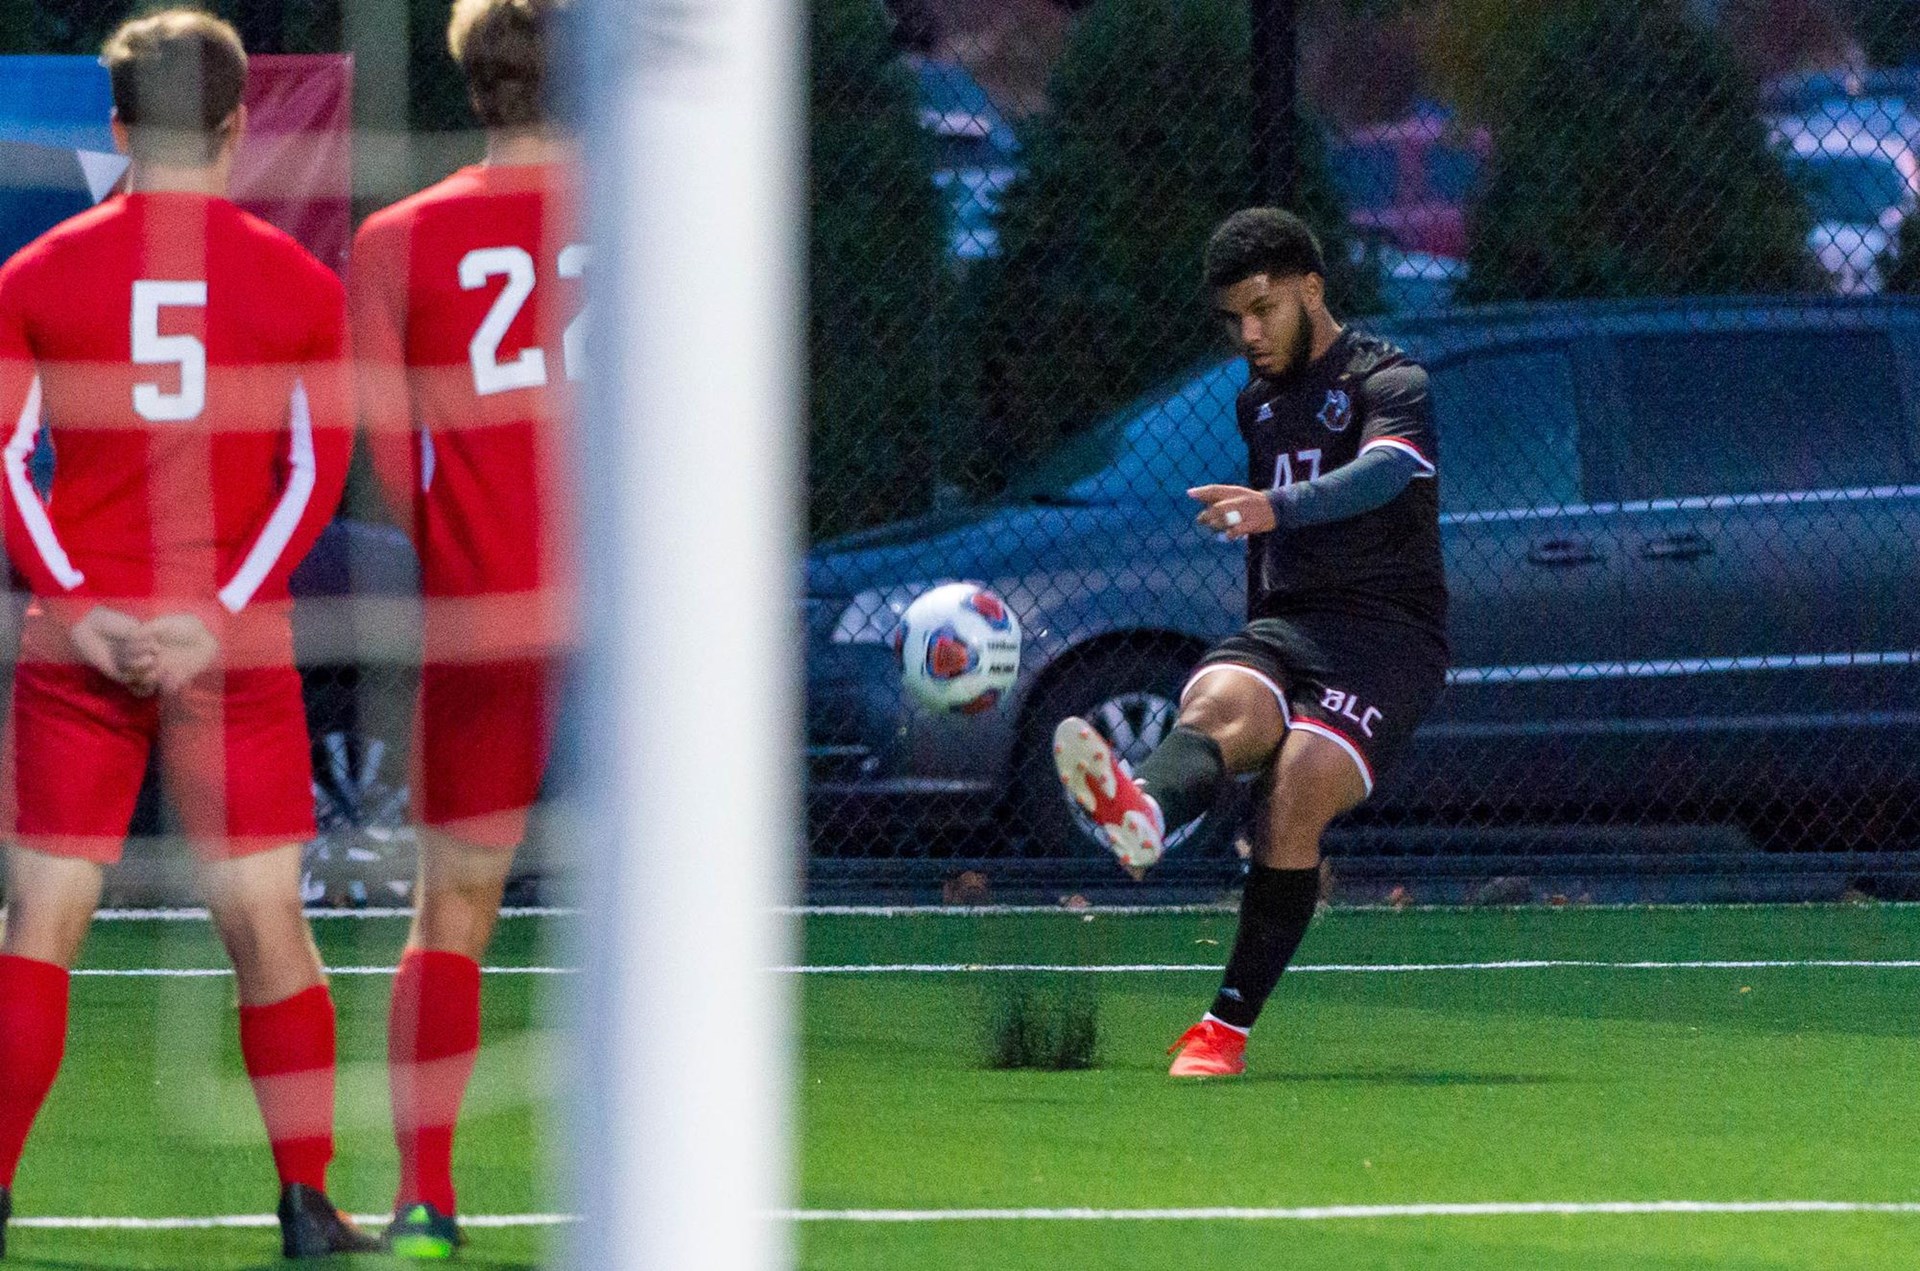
(466, 302)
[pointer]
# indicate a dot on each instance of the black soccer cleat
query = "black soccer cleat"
(312, 1227)
(422, 1233)
(6, 1214)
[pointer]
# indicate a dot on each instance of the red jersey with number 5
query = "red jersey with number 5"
(468, 329)
(189, 364)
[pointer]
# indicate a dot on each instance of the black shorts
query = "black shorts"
(1362, 684)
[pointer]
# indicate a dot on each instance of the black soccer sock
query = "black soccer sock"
(1183, 774)
(1275, 909)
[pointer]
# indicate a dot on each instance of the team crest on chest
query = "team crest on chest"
(1337, 411)
(1265, 413)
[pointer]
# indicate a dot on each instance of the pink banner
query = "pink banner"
(295, 167)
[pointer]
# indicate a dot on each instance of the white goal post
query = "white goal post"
(691, 442)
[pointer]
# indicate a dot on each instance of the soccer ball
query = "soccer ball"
(959, 648)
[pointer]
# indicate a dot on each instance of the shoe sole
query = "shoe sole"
(1088, 770)
(1191, 1073)
(421, 1248)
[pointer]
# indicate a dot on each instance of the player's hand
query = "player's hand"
(183, 648)
(114, 644)
(1233, 510)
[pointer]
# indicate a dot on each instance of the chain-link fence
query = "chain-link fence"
(1656, 258)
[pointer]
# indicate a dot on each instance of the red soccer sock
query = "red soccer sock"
(433, 1038)
(288, 1047)
(33, 1037)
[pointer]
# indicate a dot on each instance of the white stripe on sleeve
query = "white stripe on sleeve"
(27, 499)
(1405, 447)
(273, 540)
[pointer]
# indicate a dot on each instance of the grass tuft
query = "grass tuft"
(1046, 1025)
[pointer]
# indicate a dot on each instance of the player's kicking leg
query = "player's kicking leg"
(1232, 718)
(433, 1035)
(1314, 780)
(286, 1038)
(50, 902)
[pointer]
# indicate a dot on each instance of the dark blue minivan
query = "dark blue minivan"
(1683, 546)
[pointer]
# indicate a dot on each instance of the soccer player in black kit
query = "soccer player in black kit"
(1345, 646)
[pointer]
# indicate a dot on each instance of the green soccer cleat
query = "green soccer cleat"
(312, 1227)
(421, 1232)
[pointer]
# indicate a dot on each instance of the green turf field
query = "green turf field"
(144, 1124)
(1552, 1084)
(1370, 1088)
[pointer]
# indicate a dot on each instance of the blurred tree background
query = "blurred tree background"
(1097, 294)
(1629, 156)
(1628, 143)
(878, 278)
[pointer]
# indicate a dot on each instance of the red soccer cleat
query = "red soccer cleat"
(1209, 1049)
(1100, 782)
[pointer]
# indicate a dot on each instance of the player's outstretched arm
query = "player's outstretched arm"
(1371, 481)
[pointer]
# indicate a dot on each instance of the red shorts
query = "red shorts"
(481, 739)
(234, 757)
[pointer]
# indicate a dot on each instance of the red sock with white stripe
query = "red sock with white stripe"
(33, 1037)
(433, 1039)
(288, 1047)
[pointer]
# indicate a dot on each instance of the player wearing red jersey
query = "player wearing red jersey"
(188, 363)
(466, 313)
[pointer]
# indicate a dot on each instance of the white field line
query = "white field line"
(1309, 1213)
(313, 915)
(993, 911)
(1331, 911)
(1134, 968)
(219, 972)
(1358, 968)
(1001, 911)
(1324, 1213)
(249, 1221)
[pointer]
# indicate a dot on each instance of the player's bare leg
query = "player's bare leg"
(458, 894)
(1239, 712)
(256, 908)
(1230, 722)
(286, 1037)
(433, 1035)
(1314, 781)
(50, 902)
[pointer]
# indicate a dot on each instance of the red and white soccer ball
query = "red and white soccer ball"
(959, 648)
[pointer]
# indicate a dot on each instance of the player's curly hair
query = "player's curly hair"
(504, 46)
(1262, 240)
(178, 76)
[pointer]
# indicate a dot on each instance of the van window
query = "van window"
(1744, 412)
(1509, 436)
(1158, 449)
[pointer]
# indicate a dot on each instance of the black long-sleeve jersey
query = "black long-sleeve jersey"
(1363, 393)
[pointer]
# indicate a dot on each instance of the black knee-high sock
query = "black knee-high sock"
(1275, 909)
(1183, 774)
